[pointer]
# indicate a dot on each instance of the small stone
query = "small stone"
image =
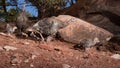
(15, 61)
(33, 56)
(66, 66)
(31, 65)
(13, 64)
(7, 48)
(115, 56)
(26, 61)
(26, 43)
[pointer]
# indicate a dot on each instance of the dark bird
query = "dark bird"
(48, 27)
(22, 20)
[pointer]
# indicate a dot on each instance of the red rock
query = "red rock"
(81, 31)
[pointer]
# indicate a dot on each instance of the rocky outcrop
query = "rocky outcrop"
(102, 13)
(79, 31)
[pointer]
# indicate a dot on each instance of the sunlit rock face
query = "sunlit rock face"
(79, 31)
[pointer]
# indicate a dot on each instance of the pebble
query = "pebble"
(115, 56)
(7, 48)
(31, 65)
(26, 61)
(66, 66)
(15, 61)
(34, 56)
(26, 43)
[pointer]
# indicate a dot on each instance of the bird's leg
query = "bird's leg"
(33, 34)
(24, 34)
(43, 39)
(40, 35)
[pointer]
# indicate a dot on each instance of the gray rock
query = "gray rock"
(115, 56)
(7, 48)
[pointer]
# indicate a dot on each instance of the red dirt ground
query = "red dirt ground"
(56, 54)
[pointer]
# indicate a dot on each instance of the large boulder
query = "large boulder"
(102, 13)
(79, 31)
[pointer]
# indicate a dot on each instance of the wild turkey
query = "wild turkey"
(22, 20)
(47, 27)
